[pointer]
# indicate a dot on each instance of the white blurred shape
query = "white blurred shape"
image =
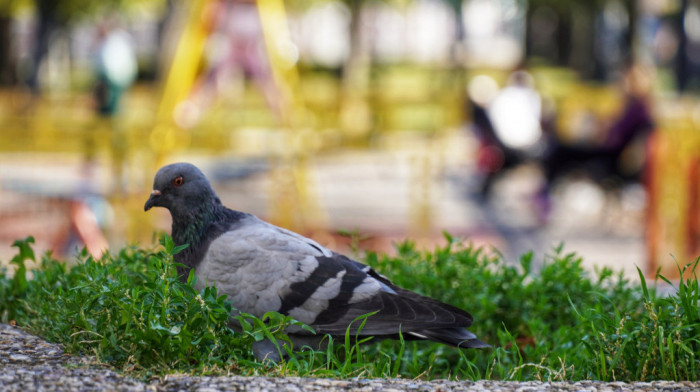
(494, 32)
(482, 18)
(117, 59)
(691, 22)
(515, 115)
(430, 31)
(388, 27)
(325, 31)
(482, 89)
(288, 51)
(583, 198)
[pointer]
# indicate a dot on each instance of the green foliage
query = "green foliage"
(554, 322)
(128, 309)
(661, 341)
(13, 289)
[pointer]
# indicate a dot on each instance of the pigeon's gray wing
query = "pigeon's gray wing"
(358, 290)
(364, 291)
(254, 263)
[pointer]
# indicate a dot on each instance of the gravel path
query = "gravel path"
(28, 363)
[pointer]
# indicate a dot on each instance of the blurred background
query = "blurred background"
(518, 125)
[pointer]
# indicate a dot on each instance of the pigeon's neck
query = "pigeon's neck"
(189, 227)
(197, 228)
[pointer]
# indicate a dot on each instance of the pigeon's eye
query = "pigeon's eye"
(178, 181)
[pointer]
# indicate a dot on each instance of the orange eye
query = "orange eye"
(178, 181)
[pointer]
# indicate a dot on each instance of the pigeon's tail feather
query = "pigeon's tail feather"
(458, 337)
(416, 316)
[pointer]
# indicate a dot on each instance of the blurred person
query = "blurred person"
(511, 124)
(115, 68)
(602, 161)
(235, 53)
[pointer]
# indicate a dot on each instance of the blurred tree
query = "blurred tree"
(576, 39)
(682, 66)
(457, 6)
(578, 33)
(47, 21)
(7, 9)
(56, 15)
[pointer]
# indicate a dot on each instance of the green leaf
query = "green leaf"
(167, 242)
(179, 249)
(25, 250)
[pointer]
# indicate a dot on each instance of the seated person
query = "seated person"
(602, 161)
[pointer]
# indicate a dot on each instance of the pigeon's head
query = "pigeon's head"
(180, 187)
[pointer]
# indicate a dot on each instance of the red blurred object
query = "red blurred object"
(693, 229)
(490, 158)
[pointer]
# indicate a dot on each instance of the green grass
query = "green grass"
(560, 322)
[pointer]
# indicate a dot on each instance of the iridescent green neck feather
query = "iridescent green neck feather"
(189, 227)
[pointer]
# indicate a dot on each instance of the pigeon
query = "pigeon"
(262, 267)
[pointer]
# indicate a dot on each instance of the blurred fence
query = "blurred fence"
(673, 211)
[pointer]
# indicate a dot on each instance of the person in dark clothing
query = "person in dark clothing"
(115, 68)
(600, 161)
(603, 161)
(509, 125)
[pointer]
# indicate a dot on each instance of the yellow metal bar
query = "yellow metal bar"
(283, 56)
(181, 76)
(293, 205)
(165, 135)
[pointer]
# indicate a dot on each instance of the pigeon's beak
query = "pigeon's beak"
(152, 200)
